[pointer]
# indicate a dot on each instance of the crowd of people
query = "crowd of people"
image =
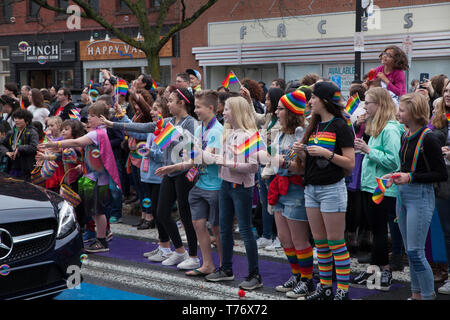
(288, 161)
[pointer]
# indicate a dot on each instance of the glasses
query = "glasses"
(387, 54)
(280, 109)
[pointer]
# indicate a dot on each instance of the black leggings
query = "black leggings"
(151, 191)
(172, 189)
(377, 216)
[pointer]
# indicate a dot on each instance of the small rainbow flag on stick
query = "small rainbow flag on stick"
(448, 117)
(169, 134)
(122, 87)
(231, 78)
(22, 105)
(378, 194)
(352, 103)
(252, 145)
(154, 85)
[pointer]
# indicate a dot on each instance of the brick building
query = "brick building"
(73, 57)
(260, 39)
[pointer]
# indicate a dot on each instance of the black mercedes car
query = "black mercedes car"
(40, 241)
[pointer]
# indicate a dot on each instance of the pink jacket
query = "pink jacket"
(397, 81)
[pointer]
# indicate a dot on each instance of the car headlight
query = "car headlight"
(66, 219)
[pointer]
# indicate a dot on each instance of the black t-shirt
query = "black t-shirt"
(430, 165)
(332, 135)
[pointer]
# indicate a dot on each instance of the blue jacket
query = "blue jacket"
(156, 158)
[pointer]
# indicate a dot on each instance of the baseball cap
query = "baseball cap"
(329, 91)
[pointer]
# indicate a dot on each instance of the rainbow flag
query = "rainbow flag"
(325, 140)
(154, 85)
(252, 145)
(378, 194)
(169, 134)
(91, 83)
(231, 78)
(352, 103)
(122, 87)
(74, 114)
(448, 117)
(22, 105)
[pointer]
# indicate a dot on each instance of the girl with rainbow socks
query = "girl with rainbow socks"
(286, 195)
(327, 149)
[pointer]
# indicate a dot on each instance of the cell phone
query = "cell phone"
(424, 77)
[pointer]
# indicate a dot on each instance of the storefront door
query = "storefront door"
(41, 79)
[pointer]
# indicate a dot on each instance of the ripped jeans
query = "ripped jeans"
(415, 208)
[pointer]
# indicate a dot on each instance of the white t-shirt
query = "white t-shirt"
(39, 114)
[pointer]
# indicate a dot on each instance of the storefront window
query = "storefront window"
(297, 71)
(64, 78)
(166, 74)
(92, 74)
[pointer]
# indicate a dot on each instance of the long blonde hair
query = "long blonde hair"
(242, 115)
(439, 119)
(386, 111)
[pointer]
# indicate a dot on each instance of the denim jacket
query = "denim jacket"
(156, 160)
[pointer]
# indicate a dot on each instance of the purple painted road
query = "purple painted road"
(273, 273)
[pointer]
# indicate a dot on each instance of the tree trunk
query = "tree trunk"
(153, 66)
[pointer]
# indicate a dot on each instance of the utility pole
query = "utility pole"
(358, 29)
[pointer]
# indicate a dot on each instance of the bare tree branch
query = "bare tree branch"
(186, 23)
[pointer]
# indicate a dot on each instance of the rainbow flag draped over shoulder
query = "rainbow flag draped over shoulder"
(252, 145)
(122, 87)
(167, 135)
(378, 194)
(231, 78)
(352, 103)
(74, 114)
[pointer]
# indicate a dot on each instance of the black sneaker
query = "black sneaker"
(220, 275)
(321, 293)
(145, 225)
(385, 280)
(341, 295)
(288, 285)
(139, 223)
(96, 246)
(303, 288)
(360, 281)
(253, 281)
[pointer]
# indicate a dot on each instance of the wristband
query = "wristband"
(331, 157)
(59, 144)
(410, 177)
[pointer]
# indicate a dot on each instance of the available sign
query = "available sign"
(115, 49)
(342, 75)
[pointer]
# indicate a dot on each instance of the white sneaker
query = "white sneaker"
(160, 256)
(189, 264)
(274, 246)
(151, 253)
(175, 258)
(263, 242)
(445, 289)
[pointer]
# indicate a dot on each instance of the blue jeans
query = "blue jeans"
(267, 218)
(415, 211)
(114, 202)
(237, 201)
(443, 207)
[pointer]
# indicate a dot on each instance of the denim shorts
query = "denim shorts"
(329, 197)
(292, 205)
